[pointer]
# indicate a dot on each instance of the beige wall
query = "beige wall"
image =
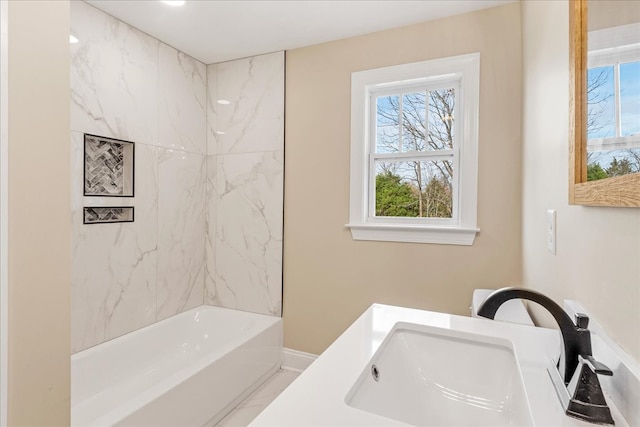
(39, 213)
(598, 249)
(329, 279)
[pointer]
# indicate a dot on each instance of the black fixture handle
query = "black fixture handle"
(588, 402)
(582, 321)
(597, 367)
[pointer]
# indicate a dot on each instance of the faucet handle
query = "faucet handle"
(588, 402)
(595, 366)
(582, 321)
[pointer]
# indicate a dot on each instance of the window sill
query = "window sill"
(410, 233)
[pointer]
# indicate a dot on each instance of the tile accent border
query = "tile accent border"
(107, 214)
(108, 167)
(296, 361)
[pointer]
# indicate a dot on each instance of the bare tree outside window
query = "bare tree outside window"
(415, 122)
(613, 115)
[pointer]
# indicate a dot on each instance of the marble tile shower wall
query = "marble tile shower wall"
(245, 170)
(128, 85)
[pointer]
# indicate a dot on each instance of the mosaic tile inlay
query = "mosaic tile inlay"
(108, 167)
(96, 215)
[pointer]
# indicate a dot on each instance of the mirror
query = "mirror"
(604, 129)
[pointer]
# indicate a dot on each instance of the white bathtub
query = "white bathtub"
(188, 370)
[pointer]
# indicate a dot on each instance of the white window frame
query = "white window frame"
(612, 47)
(462, 228)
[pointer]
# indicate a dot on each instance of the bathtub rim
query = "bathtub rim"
(156, 390)
(129, 335)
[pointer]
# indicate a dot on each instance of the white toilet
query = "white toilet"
(512, 311)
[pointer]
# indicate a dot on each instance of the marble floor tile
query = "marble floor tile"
(257, 401)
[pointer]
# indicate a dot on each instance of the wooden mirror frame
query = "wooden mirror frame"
(617, 191)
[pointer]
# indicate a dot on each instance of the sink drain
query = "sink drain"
(375, 373)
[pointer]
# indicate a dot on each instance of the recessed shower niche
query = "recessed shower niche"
(108, 167)
(107, 214)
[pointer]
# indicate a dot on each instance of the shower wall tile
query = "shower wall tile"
(181, 237)
(182, 107)
(128, 85)
(113, 265)
(245, 146)
(248, 239)
(212, 116)
(210, 229)
(114, 77)
(254, 118)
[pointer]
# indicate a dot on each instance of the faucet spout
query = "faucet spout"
(576, 337)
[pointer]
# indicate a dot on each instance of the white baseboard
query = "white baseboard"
(296, 361)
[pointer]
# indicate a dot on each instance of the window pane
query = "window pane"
(630, 98)
(601, 111)
(441, 119)
(413, 120)
(606, 164)
(414, 189)
(387, 124)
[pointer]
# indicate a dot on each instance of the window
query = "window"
(613, 102)
(414, 137)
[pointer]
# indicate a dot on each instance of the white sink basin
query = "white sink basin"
(430, 376)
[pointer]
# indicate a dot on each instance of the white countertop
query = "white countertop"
(317, 397)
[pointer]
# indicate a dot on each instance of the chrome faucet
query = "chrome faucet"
(577, 367)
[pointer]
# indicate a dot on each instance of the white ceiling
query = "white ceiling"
(216, 31)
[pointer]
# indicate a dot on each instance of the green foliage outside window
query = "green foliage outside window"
(617, 167)
(595, 172)
(394, 197)
(397, 198)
